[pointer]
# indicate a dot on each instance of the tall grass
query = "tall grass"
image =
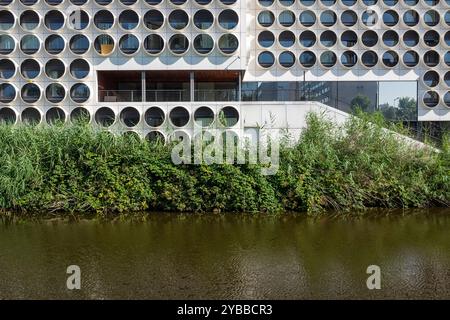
(79, 169)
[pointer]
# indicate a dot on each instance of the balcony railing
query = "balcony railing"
(167, 95)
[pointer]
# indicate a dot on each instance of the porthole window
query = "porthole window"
(369, 38)
(128, 20)
(266, 59)
(228, 19)
(203, 43)
(155, 137)
(349, 38)
(7, 115)
(390, 18)
(411, 18)
(431, 38)
(447, 79)
(431, 18)
(370, 2)
(178, 19)
(55, 116)
(55, 93)
(349, 18)
(203, 19)
(78, 2)
(431, 99)
(307, 3)
(29, 44)
(228, 43)
(105, 117)
(78, 20)
(30, 93)
(307, 38)
(349, 59)
(79, 68)
(104, 44)
(204, 117)
(447, 58)
(55, 69)
(447, 17)
(348, 3)
(369, 59)
(266, 39)
(228, 2)
(265, 3)
(104, 20)
(24, 2)
(390, 38)
(154, 117)
(179, 116)
(369, 18)
(31, 116)
(390, 3)
(6, 20)
(307, 59)
(447, 38)
(447, 99)
(431, 58)
(178, 44)
(54, 20)
(307, 18)
(127, 2)
(79, 44)
(80, 93)
(129, 44)
(411, 2)
(431, 2)
(30, 69)
(286, 39)
(286, 18)
(228, 116)
(328, 3)
(266, 18)
(410, 59)
(203, 2)
(178, 2)
(7, 44)
(7, 69)
(328, 59)
(328, 38)
(287, 3)
(54, 44)
(431, 78)
(390, 59)
(410, 38)
(130, 117)
(29, 20)
(286, 59)
(103, 2)
(7, 92)
(54, 2)
(154, 44)
(153, 19)
(328, 18)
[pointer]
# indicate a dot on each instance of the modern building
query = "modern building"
(159, 66)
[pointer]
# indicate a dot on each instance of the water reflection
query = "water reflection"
(228, 256)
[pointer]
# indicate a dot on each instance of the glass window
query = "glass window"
(154, 44)
(431, 78)
(431, 99)
(369, 58)
(203, 19)
(349, 18)
(266, 59)
(266, 39)
(104, 44)
(266, 18)
(30, 69)
(228, 19)
(411, 18)
(7, 92)
(431, 18)
(328, 18)
(129, 44)
(286, 39)
(369, 18)
(307, 39)
(78, 20)
(411, 58)
(128, 19)
(328, 59)
(178, 19)
(431, 38)
(286, 59)
(79, 93)
(29, 20)
(153, 19)
(7, 69)
(431, 58)
(228, 43)
(328, 38)
(79, 68)
(349, 59)
(55, 69)
(390, 18)
(6, 20)
(30, 44)
(178, 44)
(54, 20)
(390, 38)
(203, 43)
(54, 44)
(104, 20)
(307, 18)
(349, 38)
(411, 38)
(369, 38)
(55, 93)
(390, 59)
(307, 59)
(79, 44)
(30, 93)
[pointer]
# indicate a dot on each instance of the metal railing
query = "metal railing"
(168, 95)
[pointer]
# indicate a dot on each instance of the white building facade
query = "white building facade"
(158, 66)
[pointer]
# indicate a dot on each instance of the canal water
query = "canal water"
(230, 256)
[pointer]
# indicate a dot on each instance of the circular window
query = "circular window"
(203, 2)
(130, 117)
(266, 18)
(411, 38)
(307, 59)
(370, 38)
(178, 44)
(328, 3)
(369, 18)
(31, 116)
(80, 115)
(228, 19)
(266, 59)
(265, 3)
(447, 99)
(228, 116)
(178, 2)
(79, 44)
(447, 79)
(154, 44)
(286, 59)
(328, 18)
(431, 18)
(369, 59)
(410, 59)
(203, 43)
(390, 59)
(328, 38)
(411, 18)
(30, 69)
(431, 58)
(78, 2)
(178, 19)
(349, 59)
(79, 69)
(54, 20)
(307, 3)
(307, 39)
(348, 3)
(204, 117)
(286, 39)
(78, 20)
(128, 20)
(154, 117)
(153, 19)
(55, 93)
(105, 117)
(179, 116)
(390, 38)
(328, 59)
(307, 18)
(129, 44)
(370, 2)
(54, 44)
(349, 39)
(29, 20)
(447, 58)
(228, 43)
(103, 2)
(203, 19)
(24, 2)
(30, 93)
(8, 116)
(80, 93)
(7, 92)
(447, 38)
(411, 2)
(447, 18)
(286, 18)
(431, 78)
(431, 99)
(155, 137)
(431, 2)
(104, 44)
(7, 69)
(390, 3)
(7, 44)
(55, 69)
(7, 20)
(431, 38)
(287, 3)
(55, 116)
(266, 39)
(104, 20)
(30, 44)
(390, 18)
(349, 18)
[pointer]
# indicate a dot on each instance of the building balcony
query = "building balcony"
(168, 95)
